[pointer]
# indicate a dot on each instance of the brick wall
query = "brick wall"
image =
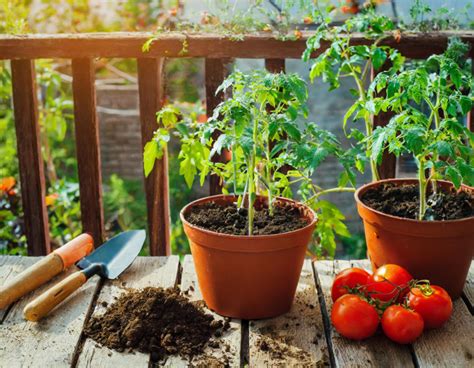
(120, 137)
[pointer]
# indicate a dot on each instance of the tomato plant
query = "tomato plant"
(432, 302)
(263, 128)
(388, 283)
(354, 317)
(348, 279)
(402, 325)
(438, 140)
(344, 59)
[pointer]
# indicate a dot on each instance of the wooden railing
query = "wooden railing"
(82, 49)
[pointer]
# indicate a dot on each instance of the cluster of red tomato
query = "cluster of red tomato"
(390, 297)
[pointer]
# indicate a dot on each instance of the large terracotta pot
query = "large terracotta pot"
(440, 251)
(248, 277)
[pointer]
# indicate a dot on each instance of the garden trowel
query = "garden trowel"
(108, 261)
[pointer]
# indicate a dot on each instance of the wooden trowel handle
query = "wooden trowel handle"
(45, 269)
(29, 280)
(42, 305)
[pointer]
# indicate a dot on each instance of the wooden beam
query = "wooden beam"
(151, 92)
(256, 46)
(88, 148)
(216, 71)
(30, 158)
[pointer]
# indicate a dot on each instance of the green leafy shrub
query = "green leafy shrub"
(438, 141)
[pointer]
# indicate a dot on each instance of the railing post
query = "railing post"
(151, 92)
(88, 148)
(216, 71)
(389, 162)
(30, 157)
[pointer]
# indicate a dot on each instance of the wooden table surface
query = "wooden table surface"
(305, 332)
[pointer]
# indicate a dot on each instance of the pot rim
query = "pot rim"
(313, 221)
(365, 187)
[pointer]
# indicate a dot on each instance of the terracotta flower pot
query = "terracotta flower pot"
(248, 277)
(440, 251)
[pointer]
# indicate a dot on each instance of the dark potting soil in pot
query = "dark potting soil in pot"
(228, 219)
(157, 321)
(403, 201)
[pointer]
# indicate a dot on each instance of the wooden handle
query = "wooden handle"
(42, 305)
(30, 279)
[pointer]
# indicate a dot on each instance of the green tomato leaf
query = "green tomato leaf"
(378, 58)
(149, 156)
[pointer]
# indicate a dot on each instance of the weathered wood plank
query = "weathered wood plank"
(29, 156)
(151, 93)
(300, 332)
(469, 287)
(10, 266)
(145, 271)
(230, 340)
(450, 346)
(52, 341)
(215, 71)
(376, 351)
(258, 46)
(88, 148)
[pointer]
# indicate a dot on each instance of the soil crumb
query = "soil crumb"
(403, 201)
(228, 219)
(157, 321)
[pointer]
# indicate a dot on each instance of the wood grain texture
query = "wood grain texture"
(388, 167)
(30, 159)
(300, 332)
(215, 71)
(151, 95)
(230, 340)
(258, 46)
(144, 271)
(451, 345)
(40, 272)
(376, 351)
(10, 267)
(88, 148)
(51, 342)
(39, 307)
(469, 288)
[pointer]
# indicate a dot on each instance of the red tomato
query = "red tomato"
(402, 325)
(384, 284)
(354, 318)
(432, 302)
(348, 279)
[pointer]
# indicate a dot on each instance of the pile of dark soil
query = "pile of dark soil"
(228, 219)
(157, 321)
(403, 201)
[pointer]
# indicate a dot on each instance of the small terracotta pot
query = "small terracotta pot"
(248, 277)
(440, 251)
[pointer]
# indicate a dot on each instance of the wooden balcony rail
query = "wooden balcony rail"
(83, 48)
